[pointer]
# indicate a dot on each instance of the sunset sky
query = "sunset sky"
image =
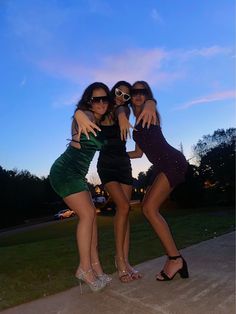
(52, 49)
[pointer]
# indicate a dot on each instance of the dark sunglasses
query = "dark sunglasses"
(138, 91)
(99, 99)
(119, 93)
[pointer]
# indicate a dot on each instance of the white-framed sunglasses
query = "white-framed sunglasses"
(119, 93)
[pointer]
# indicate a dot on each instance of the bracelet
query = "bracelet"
(72, 140)
(152, 100)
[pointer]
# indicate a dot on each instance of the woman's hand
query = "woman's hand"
(137, 153)
(148, 114)
(85, 125)
(125, 126)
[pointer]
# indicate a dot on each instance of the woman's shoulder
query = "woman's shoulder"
(122, 108)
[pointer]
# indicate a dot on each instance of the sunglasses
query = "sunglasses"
(138, 91)
(99, 99)
(119, 93)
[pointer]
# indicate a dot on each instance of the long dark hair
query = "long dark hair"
(85, 101)
(119, 83)
(149, 95)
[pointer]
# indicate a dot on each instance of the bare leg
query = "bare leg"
(127, 189)
(120, 226)
(82, 205)
(127, 242)
(95, 261)
(153, 199)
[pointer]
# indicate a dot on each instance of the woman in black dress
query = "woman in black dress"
(114, 169)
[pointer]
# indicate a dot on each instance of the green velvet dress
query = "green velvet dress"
(68, 172)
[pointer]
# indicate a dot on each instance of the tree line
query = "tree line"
(211, 181)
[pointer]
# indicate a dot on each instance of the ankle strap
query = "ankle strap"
(174, 257)
(121, 258)
(83, 272)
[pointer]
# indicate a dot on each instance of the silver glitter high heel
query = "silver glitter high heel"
(103, 277)
(95, 285)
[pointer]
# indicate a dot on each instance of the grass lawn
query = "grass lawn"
(38, 262)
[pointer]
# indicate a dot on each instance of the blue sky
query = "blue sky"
(52, 49)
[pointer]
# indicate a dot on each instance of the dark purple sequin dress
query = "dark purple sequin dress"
(162, 155)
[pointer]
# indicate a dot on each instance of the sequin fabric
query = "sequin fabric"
(161, 154)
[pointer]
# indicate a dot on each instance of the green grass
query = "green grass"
(39, 262)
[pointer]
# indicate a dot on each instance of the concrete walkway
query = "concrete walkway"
(209, 290)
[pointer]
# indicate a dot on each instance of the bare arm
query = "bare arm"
(137, 153)
(85, 125)
(122, 113)
(148, 114)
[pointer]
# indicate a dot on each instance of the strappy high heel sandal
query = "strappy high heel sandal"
(103, 277)
(183, 271)
(134, 273)
(95, 285)
(123, 274)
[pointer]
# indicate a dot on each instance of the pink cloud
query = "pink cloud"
(131, 65)
(154, 65)
(134, 65)
(158, 66)
(209, 51)
(65, 68)
(224, 95)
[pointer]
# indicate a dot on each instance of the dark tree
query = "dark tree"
(216, 155)
(189, 194)
(23, 197)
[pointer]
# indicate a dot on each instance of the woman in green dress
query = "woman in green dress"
(67, 177)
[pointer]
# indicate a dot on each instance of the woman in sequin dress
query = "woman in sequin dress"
(169, 169)
(67, 177)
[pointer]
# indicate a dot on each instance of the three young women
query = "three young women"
(114, 169)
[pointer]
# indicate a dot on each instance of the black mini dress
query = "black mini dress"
(113, 161)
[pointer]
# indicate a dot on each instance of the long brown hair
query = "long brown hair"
(85, 101)
(85, 104)
(149, 95)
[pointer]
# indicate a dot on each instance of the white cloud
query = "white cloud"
(67, 100)
(156, 16)
(23, 81)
